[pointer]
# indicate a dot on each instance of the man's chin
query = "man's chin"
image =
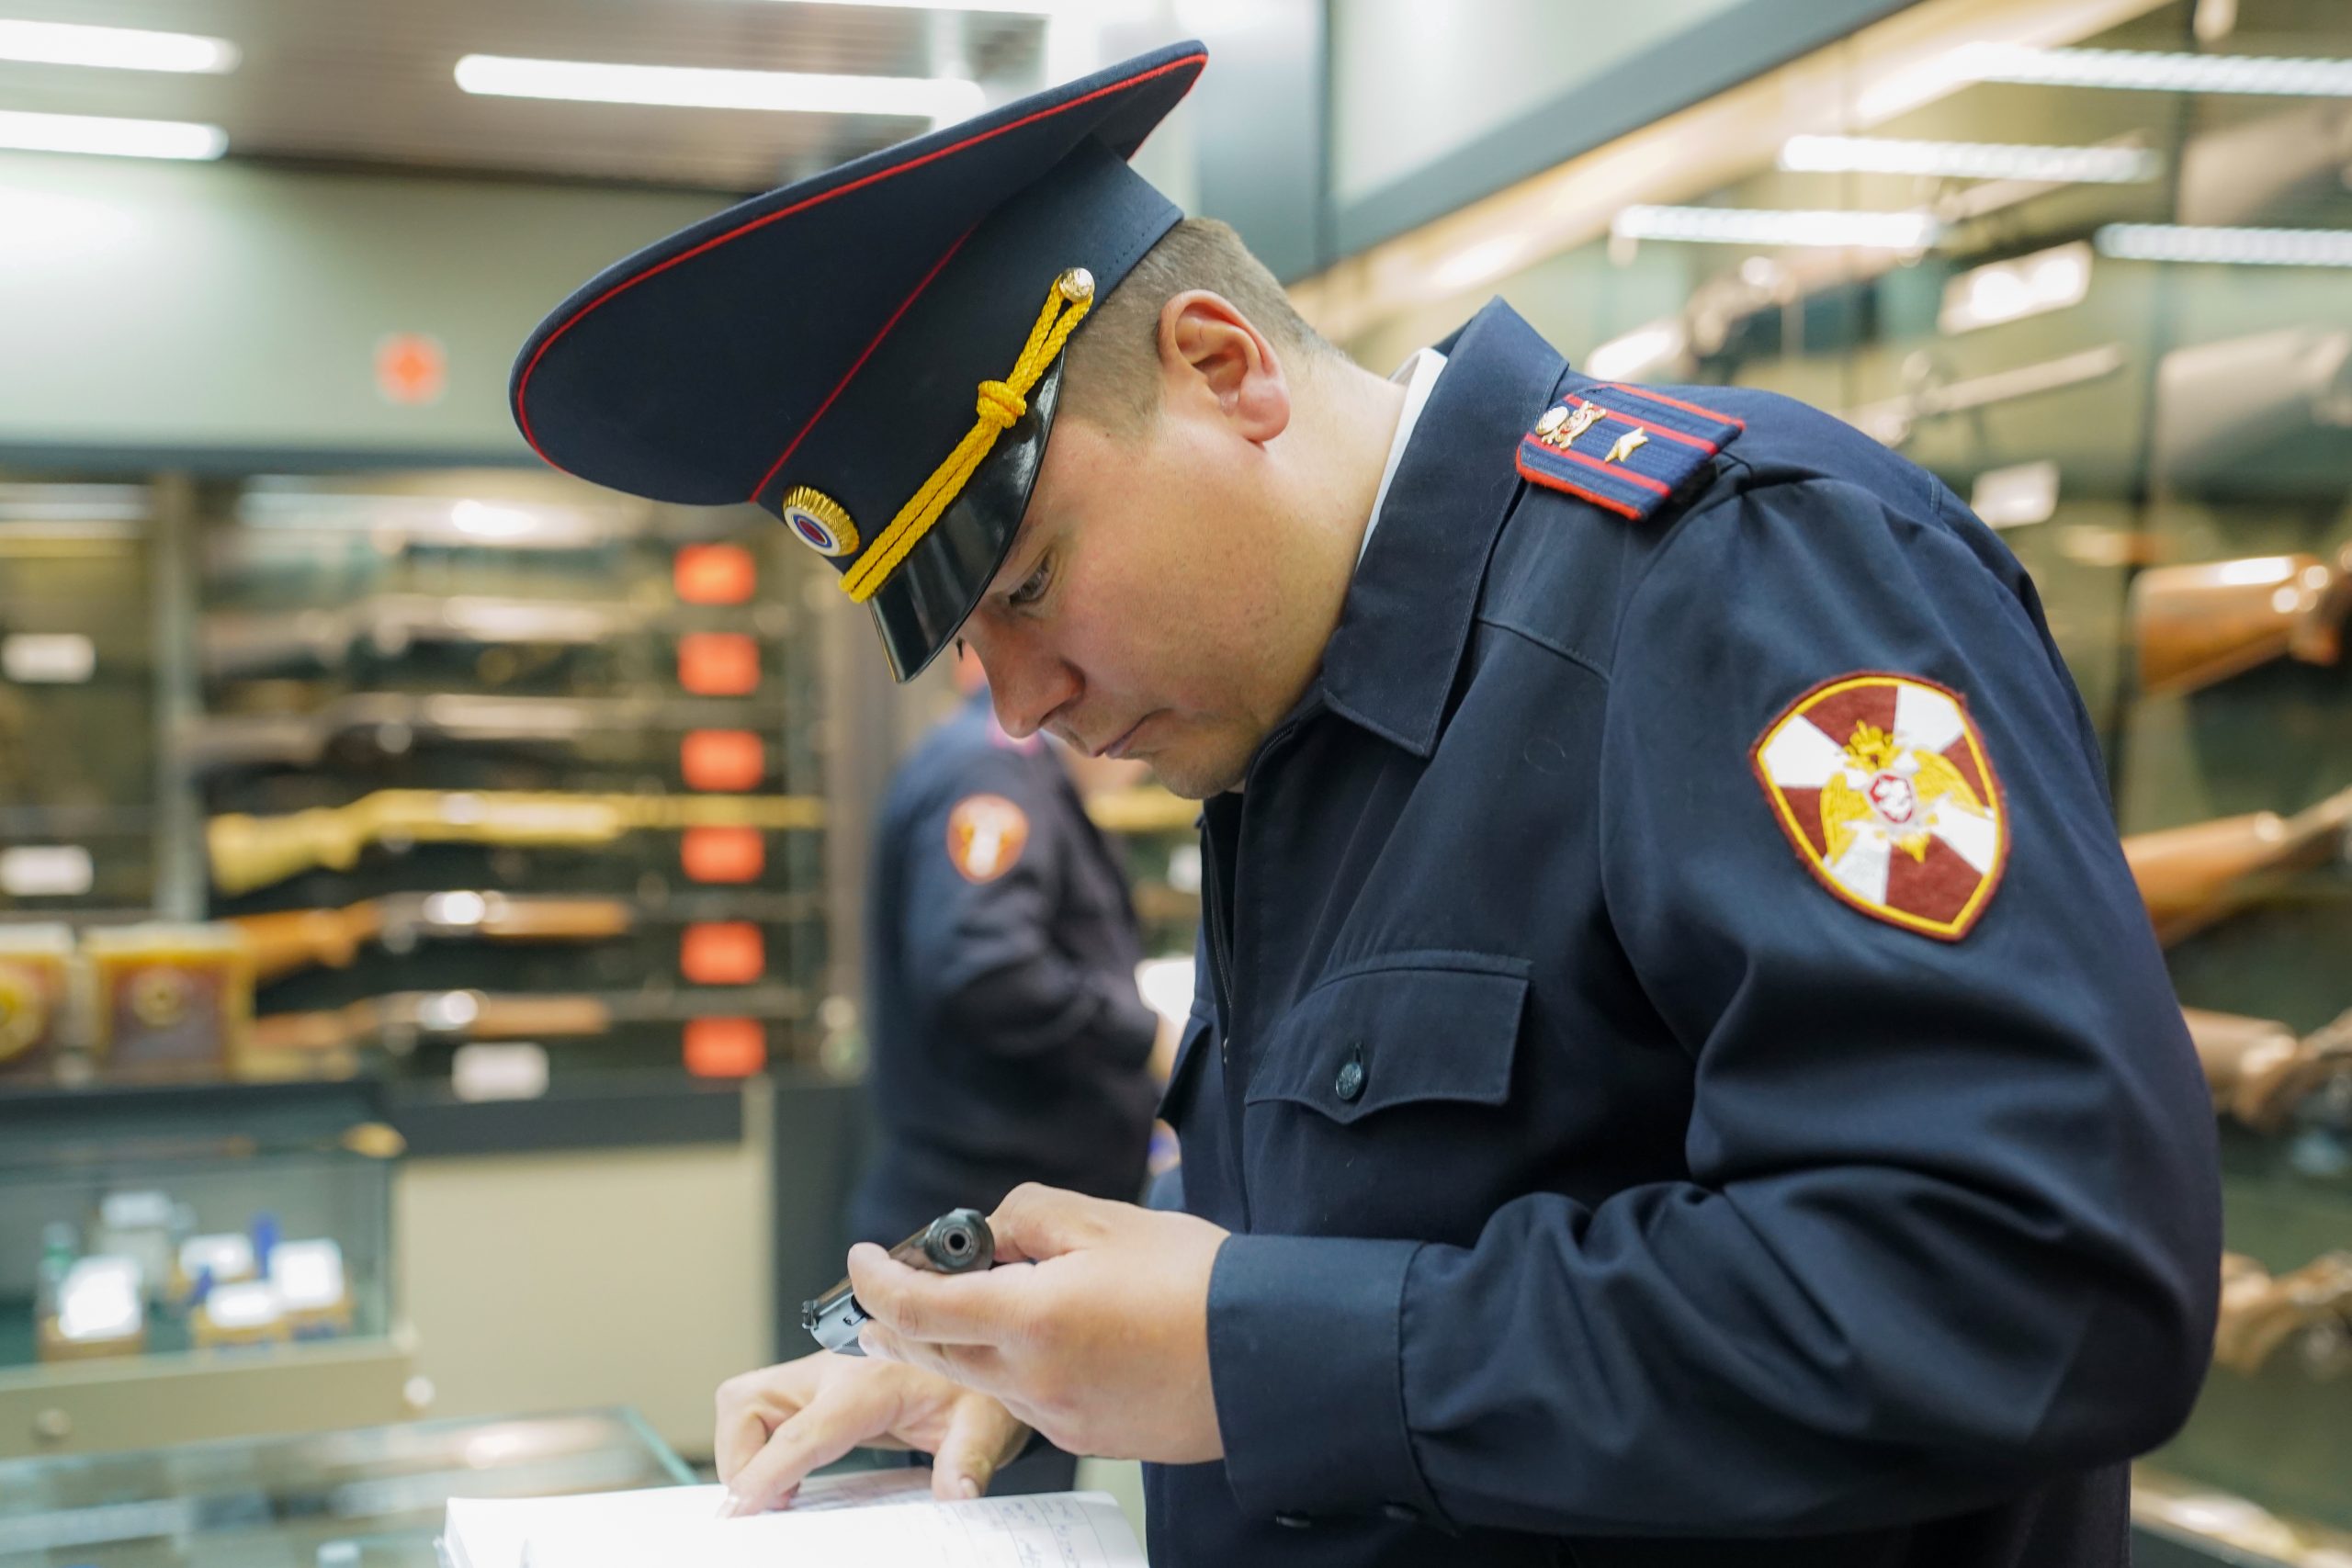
(1195, 778)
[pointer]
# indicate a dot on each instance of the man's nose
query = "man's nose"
(1028, 685)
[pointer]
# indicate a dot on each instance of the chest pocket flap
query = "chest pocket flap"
(1405, 1028)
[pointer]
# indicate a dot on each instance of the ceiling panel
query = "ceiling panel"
(369, 81)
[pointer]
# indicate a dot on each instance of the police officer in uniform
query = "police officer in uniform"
(1681, 1073)
(1009, 1044)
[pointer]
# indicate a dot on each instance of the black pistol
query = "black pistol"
(957, 1243)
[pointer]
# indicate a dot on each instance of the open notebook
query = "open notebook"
(871, 1519)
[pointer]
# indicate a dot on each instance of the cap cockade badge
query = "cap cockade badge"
(1882, 784)
(821, 522)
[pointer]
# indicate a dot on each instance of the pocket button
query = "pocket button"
(1348, 1083)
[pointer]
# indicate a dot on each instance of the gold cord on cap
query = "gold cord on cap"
(1000, 405)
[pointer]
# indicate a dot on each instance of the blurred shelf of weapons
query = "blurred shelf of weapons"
(467, 775)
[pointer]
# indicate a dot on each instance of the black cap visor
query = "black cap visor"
(923, 604)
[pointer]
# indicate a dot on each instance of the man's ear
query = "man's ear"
(1213, 359)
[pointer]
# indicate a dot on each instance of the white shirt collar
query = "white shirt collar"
(1418, 376)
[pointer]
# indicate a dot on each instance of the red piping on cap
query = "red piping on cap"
(857, 366)
(523, 386)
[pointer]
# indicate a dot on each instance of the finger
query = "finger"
(973, 1366)
(749, 1408)
(741, 1435)
(968, 1309)
(836, 1421)
(1036, 1223)
(980, 1436)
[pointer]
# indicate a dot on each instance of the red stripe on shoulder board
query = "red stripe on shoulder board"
(1612, 469)
(1554, 481)
(523, 386)
(1678, 403)
(1648, 427)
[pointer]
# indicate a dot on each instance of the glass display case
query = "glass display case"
(364, 1498)
(194, 1261)
(2091, 265)
(413, 762)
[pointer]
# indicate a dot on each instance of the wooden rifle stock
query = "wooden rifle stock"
(2191, 877)
(2198, 625)
(2258, 1069)
(254, 851)
(397, 1022)
(292, 939)
(2259, 1310)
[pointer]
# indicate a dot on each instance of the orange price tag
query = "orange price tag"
(722, 855)
(714, 574)
(719, 664)
(722, 952)
(726, 1047)
(722, 759)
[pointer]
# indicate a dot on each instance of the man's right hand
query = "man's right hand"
(778, 1424)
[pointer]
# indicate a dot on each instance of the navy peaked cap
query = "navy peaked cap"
(872, 354)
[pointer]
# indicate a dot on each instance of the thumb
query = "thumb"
(981, 1434)
(1036, 1223)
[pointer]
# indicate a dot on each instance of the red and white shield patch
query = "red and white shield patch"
(1882, 784)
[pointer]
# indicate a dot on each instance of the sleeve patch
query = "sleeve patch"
(1884, 787)
(986, 834)
(1625, 449)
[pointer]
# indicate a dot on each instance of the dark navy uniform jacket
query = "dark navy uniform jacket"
(1606, 1191)
(1009, 1043)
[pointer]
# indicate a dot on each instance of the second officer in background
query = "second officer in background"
(1009, 1041)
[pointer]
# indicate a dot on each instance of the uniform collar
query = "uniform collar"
(1419, 376)
(1390, 664)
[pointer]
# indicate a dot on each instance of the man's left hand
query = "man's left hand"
(1097, 1335)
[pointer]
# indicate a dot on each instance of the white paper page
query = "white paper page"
(490, 1532)
(1069, 1529)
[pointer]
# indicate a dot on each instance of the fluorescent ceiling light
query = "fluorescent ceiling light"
(1018, 7)
(1968, 160)
(119, 48)
(2012, 291)
(118, 138)
(2228, 247)
(1748, 226)
(941, 99)
(2141, 71)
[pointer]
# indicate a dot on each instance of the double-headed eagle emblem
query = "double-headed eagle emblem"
(1883, 786)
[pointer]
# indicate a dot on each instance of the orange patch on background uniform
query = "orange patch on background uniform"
(986, 834)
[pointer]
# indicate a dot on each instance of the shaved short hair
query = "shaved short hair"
(1112, 378)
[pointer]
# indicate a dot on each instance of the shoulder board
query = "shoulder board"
(1625, 449)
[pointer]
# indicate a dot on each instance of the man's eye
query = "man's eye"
(1033, 588)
